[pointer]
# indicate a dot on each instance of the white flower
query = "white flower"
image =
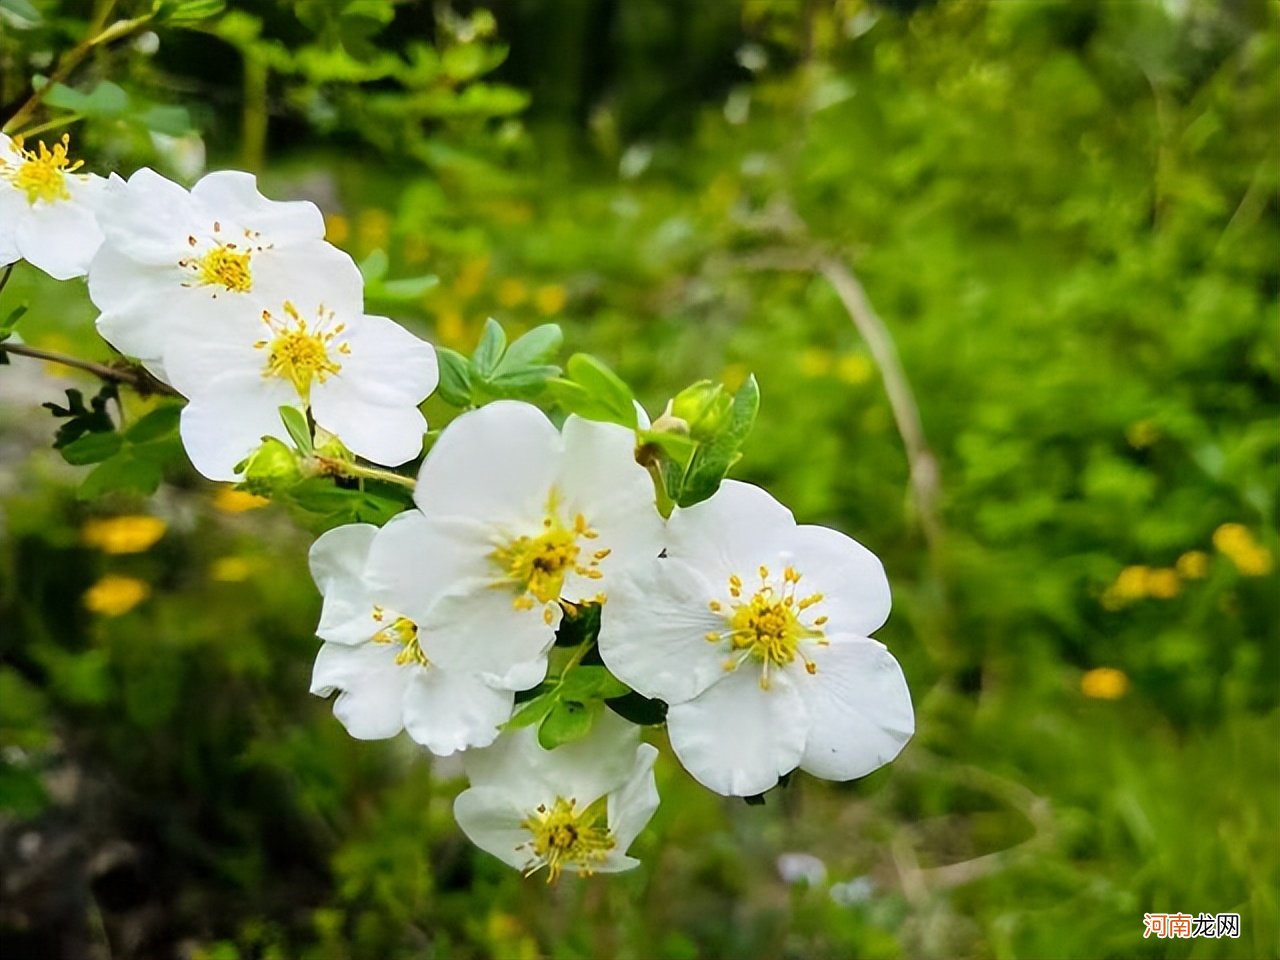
(187, 260)
(47, 209)
(520, 516)
(362, 377)
(578, 806)
(754, 630)
(444, 673)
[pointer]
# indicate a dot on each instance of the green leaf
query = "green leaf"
(92, 448)
(171, 120)
(568, 721)
(531, 712)
(374, 267)
(160, 424)
(605, 388)
(189, 11)
(11, 321)
(295, 421)
(22, 10)
(580, 627)
(455, 377)
(105, 101)
(410, 288)
(584, 683)
(537, 347)
(524, 384)
(493, 341)
(713, 460)
(123, 472)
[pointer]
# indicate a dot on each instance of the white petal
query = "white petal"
(234, 194)
(309, 274)
(737, 529)
(491, 820)
(582, 770)
(653, 631)
(495, 464)
(148, 218)
(849, 576)
(196, 360)
(632, 806)
(415, 561)
(134, 319)
(372, 685)
(59, 238)
(338, 560)
(600, 479)
(481, 633)
(390, 435)
(860, 714)
(448, 710)
(736, 738)
(225, 424)
(387, 364)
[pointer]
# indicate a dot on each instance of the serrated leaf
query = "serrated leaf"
(533, 350)
(567, 721)
(295, 421)
(493, 342)
(605, 388)
(455, 377)
(92, 448)
(714, 458)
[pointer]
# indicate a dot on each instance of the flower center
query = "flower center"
(225, 267)
(563, 835)
(41, 175)
(225, 264)
(403, 631)
(537, 566)
(298, 352)
(768, 627)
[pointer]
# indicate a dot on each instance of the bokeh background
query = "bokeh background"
(1064, 215)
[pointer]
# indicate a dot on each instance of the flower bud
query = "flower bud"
(703, 406)
(273, 464)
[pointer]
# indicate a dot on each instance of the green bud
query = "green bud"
(704, 406)
(272, 465)
(331, 448)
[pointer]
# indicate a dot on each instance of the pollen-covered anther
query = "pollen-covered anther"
(40, 174)
(563, 835)
(300, 352)
(404, 632)
(537, 566)
(768, 627)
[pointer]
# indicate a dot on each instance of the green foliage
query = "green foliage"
(1064, 215)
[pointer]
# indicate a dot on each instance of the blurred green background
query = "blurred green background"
(1065, 214)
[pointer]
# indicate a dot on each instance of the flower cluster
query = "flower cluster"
(552, 586)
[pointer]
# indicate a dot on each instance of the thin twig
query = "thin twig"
(347, 468)
(133, 375)
(4, 278)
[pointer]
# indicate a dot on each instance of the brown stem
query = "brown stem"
(133, 375)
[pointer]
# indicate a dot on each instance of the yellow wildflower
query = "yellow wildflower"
(1193, 565)
(512, 292)
(337, 228)
(113, 595)
(230, 500)
(1164, 584)
(1104, 683)
(550, 299)
(132, 534)
(231, 569)
(854, 369)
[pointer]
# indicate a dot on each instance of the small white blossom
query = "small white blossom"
(577, 807)
(446, 674)
(755, 631)
(179, 260)
(519, 516)
(47, 209)
(361, 376)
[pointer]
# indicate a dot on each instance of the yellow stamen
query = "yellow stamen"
(565, 836)
(536, 567)
(403, 631)
(767, 627)
(42, 174)
(299, 352)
